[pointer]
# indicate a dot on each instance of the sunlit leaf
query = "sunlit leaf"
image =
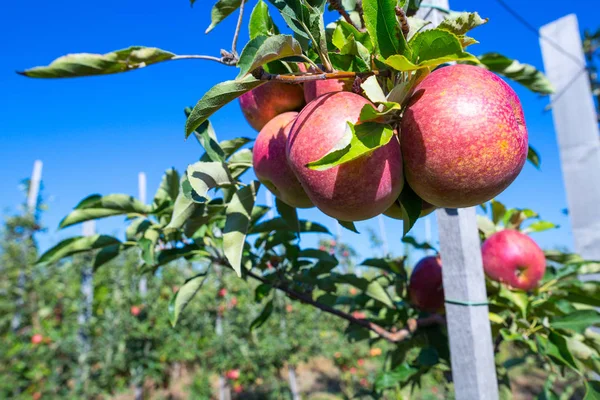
(184, 295)
(77, 244)
(525, 74)
(221, 10)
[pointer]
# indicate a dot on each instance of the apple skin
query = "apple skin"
(395, 211)
(135, 311)
(262, 104)
(271, 165)
(426, 288)
(314, 89)
(37, 339)
(513, 258)
(354, 191)
(463, 137)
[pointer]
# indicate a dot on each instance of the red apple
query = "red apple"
(353, 370)
(135, 311)
(354, 191)
(262, 104)
(513, 258)
(359, 315)
(289, 308)
(360, 362)
(233, 302)
(463, 138)
(425, 288)
(37, 339)
(36, 396)
(233, 374)
(238, 388)
(222, 292)
(270, 162)
(314, 89)
(353, 291)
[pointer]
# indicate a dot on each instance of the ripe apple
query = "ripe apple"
(289, 308)
(233, 302)
(232, 374)
(354, 191)
(395, 211)
(463, 138)
(513, 258)
(238, 388)
(222, 292)
(135, 310)
(262, 104)
(270, 162)
(314, 89)
(37, 339)
(375, 351)
(425, 288)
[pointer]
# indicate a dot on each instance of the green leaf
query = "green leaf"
(86, 64)
(219, 95)
(263, 316)
(206, 175)
(278, 224)
(397, 376)
(428, 357)
(206, 136)
(148, 244)
(261, 22)
(373, 90)
(369, 113)
(184, 207)
(264, 49)
(592, 390)
(168, 190)
(221, 10)
(485, 225)
(539, 226)
(230, 147)
(77, 244)
(577, 321)
(372, 288)
(289, 215)
(384, 30)
(239, 212)
(498, 211)
(96, 207)
(184, 295)
(417, 245)
(318, 255)
(519, 299)
(556, 348)
(106, 254)
(343, 33)
(240, 162)
(533, 157)
(359, 140)
(525, 74)
(348, 62)
(461, 23)
(348, 225)
(411, 205)
(415, 25)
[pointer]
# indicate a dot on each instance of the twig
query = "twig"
(263, 75)
(195, 57)
(237, 29)
(393, 337)
(337, 6)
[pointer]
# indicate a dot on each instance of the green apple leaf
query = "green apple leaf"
(206, 136)
(206, 175)
(263, 316)
(239, 212)
(359, 140)
(219, 95)
(278, 224)
(461, 23)
(107, 254)
(533, 157)
(240, 162)
(356, 48)
(348, 225)
(77, 244)
(263, 49)
(289, 215)
(96, 207)
(369, 113)
(525, 74)
(184, 295)
(555, 346)
(540, 226)
(384, 30)
(261, 22)
(221, 10)
(296, 15)
(348, 62)
(87, 64)
(516, 298)
(592, 390)
(148, 243)
(498, 211)
(168, 190)
(342, 33)
(411, 205)
(373, 90)
(577, 321)
(184, 206)
(395, 377)
(415, 25)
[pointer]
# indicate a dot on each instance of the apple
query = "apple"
(233, 302)
(395, 211)
(354, 191)
(232, 374)
(37, 339)
(135, 310)
(425, 288)
(270, 162)
(375, 351)
(289, 308)
(463, 137)
(262, 104)
(36, 396)
(222, 292)
(359, 315)
(513, 258)
(238, 388)
(314, 89)
(360, 362)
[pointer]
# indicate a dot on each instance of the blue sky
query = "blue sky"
(95, 134)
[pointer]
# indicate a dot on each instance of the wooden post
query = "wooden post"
(469, 331)
(577, 132)
(85, 313)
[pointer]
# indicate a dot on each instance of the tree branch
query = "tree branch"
(393, 337)
(261, 74)
(337, 6)
(237, 30)
(196, 57)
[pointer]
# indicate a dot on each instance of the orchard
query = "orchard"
(359, 110)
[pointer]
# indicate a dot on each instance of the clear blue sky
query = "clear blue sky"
(95, 134)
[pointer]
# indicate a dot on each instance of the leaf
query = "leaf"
(96, 207)
(206, 136)
(592, 390)
(348, 62)
(184, 207)
(348, 225)
(577, 321)
(77, 244)
(533, 157)
(295, 14)
(415, 25)
(320, 255)
(263, 316)
(221, 10)
(384, 30)
(498, 211)
(240, 162)
(219, 95)
(261, 22)
(106, 254)
(428, 357)
(539, 226)
(168, 190)
(369, 113)
(344, 31)
(417, 245)
(485, 225)
(264, 49)
(86, 64)
(397, 376)
(359, 140)
(184, 295)
(411, 205)
(148, 244)
(556, 347)
(206, 175)
(278, 224)
(519, 299)
(372, 288)
(525, 74)
(373, 90)
(239, 211)
(289, 215)
(461, 23)
(230, 147)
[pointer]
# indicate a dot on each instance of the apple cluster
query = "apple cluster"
(461, 141)
(509, 257)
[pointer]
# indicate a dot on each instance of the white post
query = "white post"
(85, 313)
(469, 331)
(577, 132)
(143, 289)
(32, 196)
